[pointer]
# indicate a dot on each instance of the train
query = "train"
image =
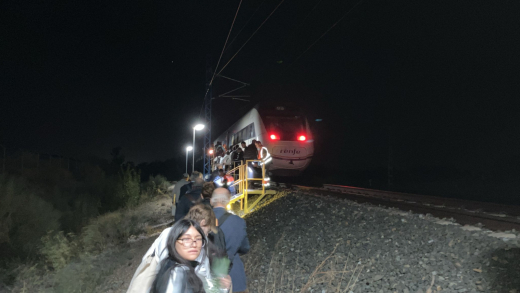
(283, 129)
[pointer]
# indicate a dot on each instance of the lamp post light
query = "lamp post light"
(187, 150)
(211, 159)
(195, 128)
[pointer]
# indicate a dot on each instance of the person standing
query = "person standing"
(224, 180)
(235, 233)
(251, 153)
(177, 190)
(191, 198)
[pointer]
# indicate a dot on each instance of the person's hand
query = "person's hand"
(225, 282)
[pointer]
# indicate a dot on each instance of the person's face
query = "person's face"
(243, 145)
(189, 245)
(221, 173)
(204, 227)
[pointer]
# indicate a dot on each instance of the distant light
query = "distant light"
(302, 138)
(319, 120)
(211, 152)
(273, 136)
(199, 127)
(189, 148)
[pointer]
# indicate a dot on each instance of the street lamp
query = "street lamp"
(195, 128)
(187, 150)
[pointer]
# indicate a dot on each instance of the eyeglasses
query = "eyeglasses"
(187, 242)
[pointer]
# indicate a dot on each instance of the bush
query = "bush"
(58, 249)
(110, 229)
(24, 218)
(127, 188)
(156, 185)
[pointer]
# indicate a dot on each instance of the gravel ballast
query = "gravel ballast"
(302, 242)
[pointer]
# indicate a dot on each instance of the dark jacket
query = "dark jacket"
(237, 243)
(186, 202)
(237, 156)
(250, 153)
(184, 189)
(172, 275)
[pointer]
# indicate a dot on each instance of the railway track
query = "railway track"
(489, 215)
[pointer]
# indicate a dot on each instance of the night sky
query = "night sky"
(439, 81)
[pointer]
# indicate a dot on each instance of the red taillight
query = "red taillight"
(302, 138)
(274, 137)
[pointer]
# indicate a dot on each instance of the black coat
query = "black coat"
(250, 153)
(186, 202)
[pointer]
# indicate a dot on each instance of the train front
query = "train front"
(289, 140)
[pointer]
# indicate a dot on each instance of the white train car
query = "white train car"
(283, 129)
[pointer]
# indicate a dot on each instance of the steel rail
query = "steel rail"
(436, 206)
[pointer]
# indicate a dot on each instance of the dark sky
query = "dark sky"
(439, 80)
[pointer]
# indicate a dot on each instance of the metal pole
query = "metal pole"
(186, 160)
(193, 154)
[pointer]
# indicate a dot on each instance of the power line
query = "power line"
(339, 20)
(223, 48)
(247, 22)
(221, 53)
(303, 22)
(251, 35)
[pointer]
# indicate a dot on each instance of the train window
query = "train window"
(287, 127)
(251, 130)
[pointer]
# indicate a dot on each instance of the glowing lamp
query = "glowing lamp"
(199, 127)
(188, 149)
(273, 137)
(302, 138)
(211, 152)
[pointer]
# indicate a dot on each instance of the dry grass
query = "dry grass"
(334, 273)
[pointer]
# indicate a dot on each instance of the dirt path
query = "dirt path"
(153, 213)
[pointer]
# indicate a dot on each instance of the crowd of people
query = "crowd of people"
(201, 251)
(228, 158)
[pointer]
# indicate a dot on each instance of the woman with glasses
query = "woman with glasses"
(186, 269)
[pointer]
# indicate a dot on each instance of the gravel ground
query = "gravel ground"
(322, 244)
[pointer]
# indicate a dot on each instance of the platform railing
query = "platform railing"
(241, 185)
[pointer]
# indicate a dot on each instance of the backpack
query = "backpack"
(144, 276)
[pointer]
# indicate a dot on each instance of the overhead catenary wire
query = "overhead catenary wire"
(330, 28)
(221, 53)
(251, 36)
(247, 22)
(303, 22)
(224, 48)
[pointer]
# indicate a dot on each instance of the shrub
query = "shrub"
(127, 189)
(58, 249)
(24, 218)
(156, 185)
(110, 229)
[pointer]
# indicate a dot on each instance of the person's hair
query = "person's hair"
(201, 212)
(258, 142)
(220, 197)
(207, 189)
(178, 229)
(196, 174)
(198, 182)
(242, 142)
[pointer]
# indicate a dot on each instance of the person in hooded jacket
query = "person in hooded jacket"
(177, 190)
(190, 199)
(184, 256)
